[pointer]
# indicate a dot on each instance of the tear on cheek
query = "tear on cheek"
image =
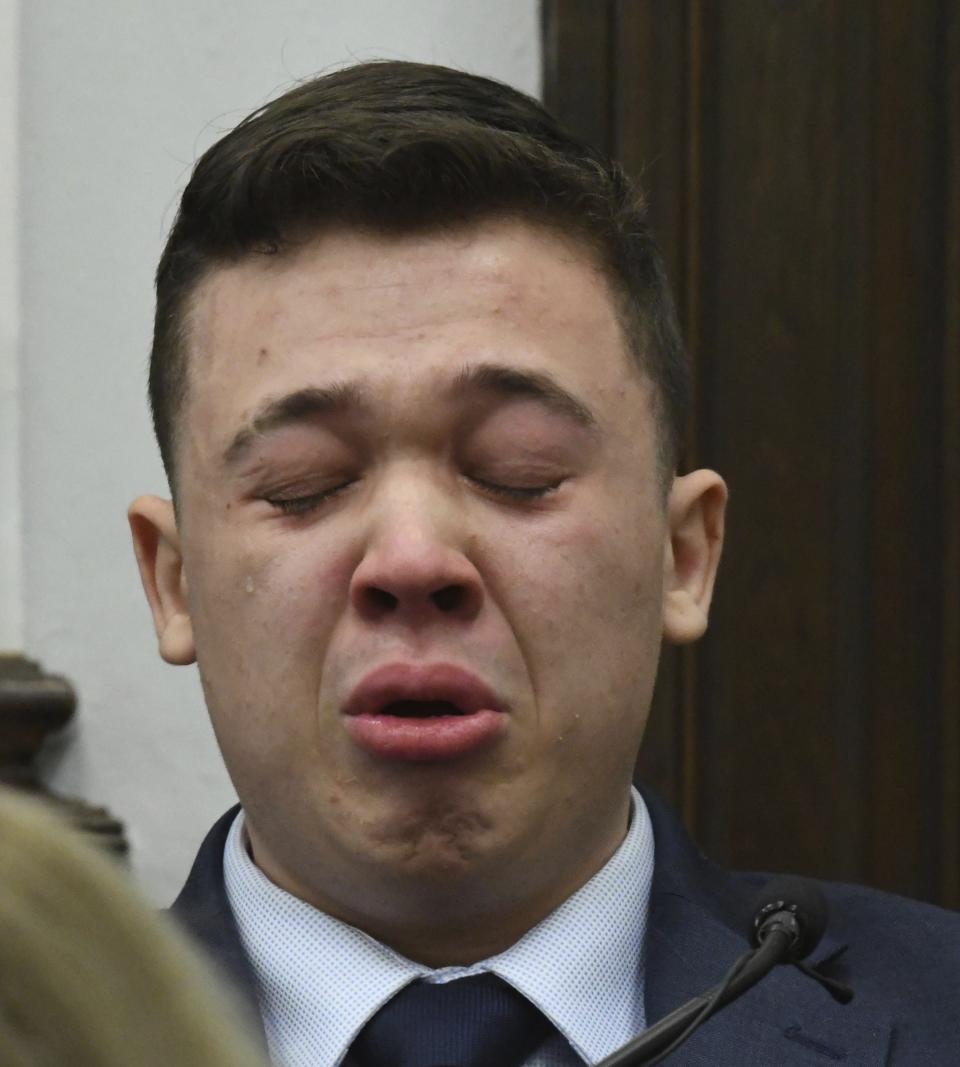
(248, 584)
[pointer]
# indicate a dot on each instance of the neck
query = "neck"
(441, 927)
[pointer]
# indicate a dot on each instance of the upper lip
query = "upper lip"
(408, 681)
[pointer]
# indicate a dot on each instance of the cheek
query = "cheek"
(594, 570)
(263, 622)
(266, 603)
(588, 611)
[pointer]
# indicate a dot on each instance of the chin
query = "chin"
(441, 839)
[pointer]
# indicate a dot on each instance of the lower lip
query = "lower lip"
(443, 737)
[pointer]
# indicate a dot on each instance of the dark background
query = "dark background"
(802, 162)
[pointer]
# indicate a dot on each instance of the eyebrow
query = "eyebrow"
(507, 381)
(314, 402)
(304, 405)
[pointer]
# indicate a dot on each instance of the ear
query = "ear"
(695, 512)
(156, 542)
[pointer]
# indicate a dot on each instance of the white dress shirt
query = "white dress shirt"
(321, 980)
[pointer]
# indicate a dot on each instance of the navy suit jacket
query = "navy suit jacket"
(902, 959)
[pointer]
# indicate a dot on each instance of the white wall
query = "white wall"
(11, 561)
(118, 97)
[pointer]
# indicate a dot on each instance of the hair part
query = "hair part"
(405, 148)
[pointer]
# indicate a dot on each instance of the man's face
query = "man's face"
(426, 462)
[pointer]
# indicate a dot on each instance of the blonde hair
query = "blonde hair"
(89, 975)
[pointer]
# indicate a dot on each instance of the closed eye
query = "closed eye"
(518, 492)
(300, 505)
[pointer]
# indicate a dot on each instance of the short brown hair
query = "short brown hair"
(406, 147)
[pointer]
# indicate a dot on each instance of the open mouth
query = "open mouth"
(420, 709)
(408, 691)
(423, 713)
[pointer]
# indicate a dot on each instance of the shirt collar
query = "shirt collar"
(320, 979)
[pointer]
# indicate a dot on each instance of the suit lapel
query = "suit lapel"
(699, 915)
(204, 910)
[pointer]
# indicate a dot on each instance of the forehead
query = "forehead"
(401, 311)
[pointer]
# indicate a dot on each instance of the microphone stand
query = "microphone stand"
(785, 932)
(656, 1041)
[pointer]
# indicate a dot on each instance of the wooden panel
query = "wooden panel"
(801, 162)
(577, 67)
(772, 694)
(904, 508)
(950, 697)
(650, 141)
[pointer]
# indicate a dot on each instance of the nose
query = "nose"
(415, 569)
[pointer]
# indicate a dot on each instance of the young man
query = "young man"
(418, 387)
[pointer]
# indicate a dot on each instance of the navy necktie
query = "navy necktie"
(479, 1021)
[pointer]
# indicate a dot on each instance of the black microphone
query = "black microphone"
(794, 906)
(787, 922)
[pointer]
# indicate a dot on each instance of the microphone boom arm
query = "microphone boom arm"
(749, 970)
(787, 924)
